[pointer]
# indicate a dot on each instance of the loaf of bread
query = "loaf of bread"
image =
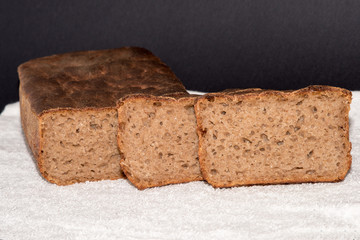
(259, 136)
(68, 108)
(158, 140)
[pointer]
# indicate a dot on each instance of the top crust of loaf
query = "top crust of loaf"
(179, 96)
(94, 79)
(263, 92)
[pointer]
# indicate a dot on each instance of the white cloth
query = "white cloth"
(31, 208)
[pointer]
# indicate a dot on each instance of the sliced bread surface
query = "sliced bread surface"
(256, 136)
(158, 140)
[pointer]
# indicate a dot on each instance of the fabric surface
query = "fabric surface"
(31, 208)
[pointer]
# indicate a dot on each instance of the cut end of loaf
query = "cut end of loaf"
(158, 140)
(68, 108)
(270, 137)
(79, 146)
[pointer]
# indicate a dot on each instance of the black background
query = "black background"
(210, 45)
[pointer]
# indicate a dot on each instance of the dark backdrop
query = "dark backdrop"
(210, 45)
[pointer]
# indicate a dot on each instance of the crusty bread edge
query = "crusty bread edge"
(177, 97)
(263, 93)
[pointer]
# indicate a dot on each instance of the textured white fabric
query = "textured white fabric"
(31, 208)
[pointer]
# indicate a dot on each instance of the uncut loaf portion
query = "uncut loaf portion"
(158, 140)
(68, 108)
(259, 136)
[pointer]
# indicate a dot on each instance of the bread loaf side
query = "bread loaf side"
(68, 108)
(266, 137)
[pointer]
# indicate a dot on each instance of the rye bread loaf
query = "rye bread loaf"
(68, 108)
(259, 136)
(158, 140)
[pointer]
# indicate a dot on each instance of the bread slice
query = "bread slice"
(68, 108)
(158, 140)
(259, 136)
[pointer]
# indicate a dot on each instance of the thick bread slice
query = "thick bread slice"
(158, 140)
(68, 108)
(259, 136)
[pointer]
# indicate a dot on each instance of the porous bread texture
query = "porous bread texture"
(75, 145)
(158, 140)
(68, 108)
(259, 136)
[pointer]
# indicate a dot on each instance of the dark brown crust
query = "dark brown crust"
(94, 79)
(168, 98)
(165, 97)
(263, 92)
(260, 93)
(87, 80)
